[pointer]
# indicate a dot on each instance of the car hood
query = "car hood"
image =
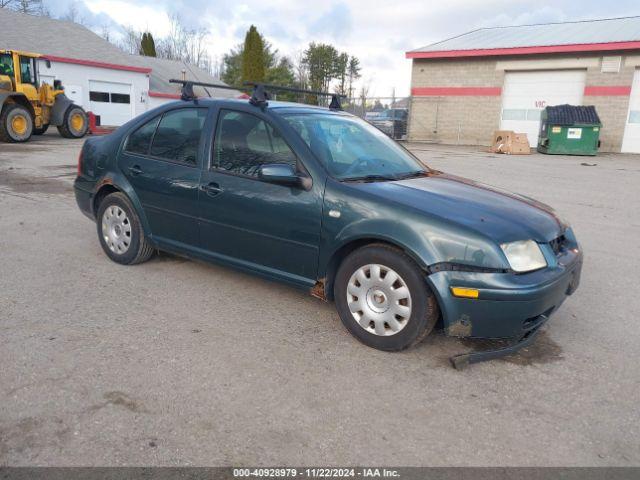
(500, 215)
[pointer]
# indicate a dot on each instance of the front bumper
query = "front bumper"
(509, 305)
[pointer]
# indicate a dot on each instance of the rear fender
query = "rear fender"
(19, 98)
(121, 183)
(60, 106)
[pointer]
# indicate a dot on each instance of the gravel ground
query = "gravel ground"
(176, 362)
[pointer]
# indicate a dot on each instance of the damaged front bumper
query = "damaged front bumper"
(509, 305)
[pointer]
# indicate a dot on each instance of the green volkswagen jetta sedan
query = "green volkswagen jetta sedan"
(322, 200)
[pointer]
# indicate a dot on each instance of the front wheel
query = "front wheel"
(75, 123)
(120, 231)
(383, 299)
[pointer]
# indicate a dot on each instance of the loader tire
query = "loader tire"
(16, 124)
(75, 123)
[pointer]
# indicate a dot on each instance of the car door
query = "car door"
(263, 226)
(162, 160)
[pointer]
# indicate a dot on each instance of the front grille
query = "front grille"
(558, 244)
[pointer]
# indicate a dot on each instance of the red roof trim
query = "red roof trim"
(488, 52)
(608, 91)
(456, 91)
(175, 96)
(91, 63)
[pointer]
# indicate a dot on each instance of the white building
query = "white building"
(96, 74)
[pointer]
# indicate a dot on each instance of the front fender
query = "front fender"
(60, 106)
(351, 215)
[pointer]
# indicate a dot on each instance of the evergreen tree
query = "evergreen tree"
(253, 57)
(147, 45)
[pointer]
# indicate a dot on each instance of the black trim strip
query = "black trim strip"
(460, 267)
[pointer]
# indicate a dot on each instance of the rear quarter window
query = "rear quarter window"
(140, 140)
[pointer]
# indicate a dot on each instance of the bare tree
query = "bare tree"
(73, 14)
(130, 42)
(32, 7)
(105, 33)
(301, 69)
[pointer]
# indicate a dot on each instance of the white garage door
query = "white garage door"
(631, 142)
(526, 94)
(112, 101)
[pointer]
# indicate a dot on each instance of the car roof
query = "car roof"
(274, 106)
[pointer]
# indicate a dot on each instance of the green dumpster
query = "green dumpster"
(569, 130)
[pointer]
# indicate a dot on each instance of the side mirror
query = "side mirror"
(283, 174)
(47, 62)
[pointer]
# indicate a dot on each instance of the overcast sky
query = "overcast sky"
(377, 32)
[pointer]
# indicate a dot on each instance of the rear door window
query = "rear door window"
(177, 137)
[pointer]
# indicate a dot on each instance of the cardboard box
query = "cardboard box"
(510, 142)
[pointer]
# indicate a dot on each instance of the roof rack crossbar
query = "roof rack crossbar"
(335, 97)
(260, 92)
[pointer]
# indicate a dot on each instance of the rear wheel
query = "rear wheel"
(120, 232)
(16, 124)
(75, 123)
(383, 299)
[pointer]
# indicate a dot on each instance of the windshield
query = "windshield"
(352, 149)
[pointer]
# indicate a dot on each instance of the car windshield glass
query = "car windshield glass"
(352, 149)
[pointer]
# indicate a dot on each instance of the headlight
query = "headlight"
(524, 255)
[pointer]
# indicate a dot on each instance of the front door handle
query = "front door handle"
(135, 170)
(212, 189)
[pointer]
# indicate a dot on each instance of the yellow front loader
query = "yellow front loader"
(28, 108)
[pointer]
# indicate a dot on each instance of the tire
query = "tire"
(16, 124)
(122, 237)
(41, 131)
(71, 128)
(380, 301)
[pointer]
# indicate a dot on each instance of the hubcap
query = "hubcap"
(116, 229)
(77, 122)
(379, 299)
(19, 124)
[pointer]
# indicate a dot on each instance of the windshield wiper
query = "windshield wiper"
(371, 178)
(417, 173)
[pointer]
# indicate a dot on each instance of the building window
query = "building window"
(120, 98)
(99, 97)
(514, 114)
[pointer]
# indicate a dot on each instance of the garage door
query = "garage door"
(631, 142)
(526, 94)
(112, 101)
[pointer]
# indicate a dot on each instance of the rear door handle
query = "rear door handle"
(212, 189)
(135, 170)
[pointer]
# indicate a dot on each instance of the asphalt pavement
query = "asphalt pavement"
(178, 362)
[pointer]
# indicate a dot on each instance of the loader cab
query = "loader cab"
(21, 70)
(7, 75)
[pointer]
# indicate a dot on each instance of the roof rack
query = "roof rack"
(260, 94)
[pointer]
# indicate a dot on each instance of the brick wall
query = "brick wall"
(471, 119)
(465, 120)
(612, 110)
